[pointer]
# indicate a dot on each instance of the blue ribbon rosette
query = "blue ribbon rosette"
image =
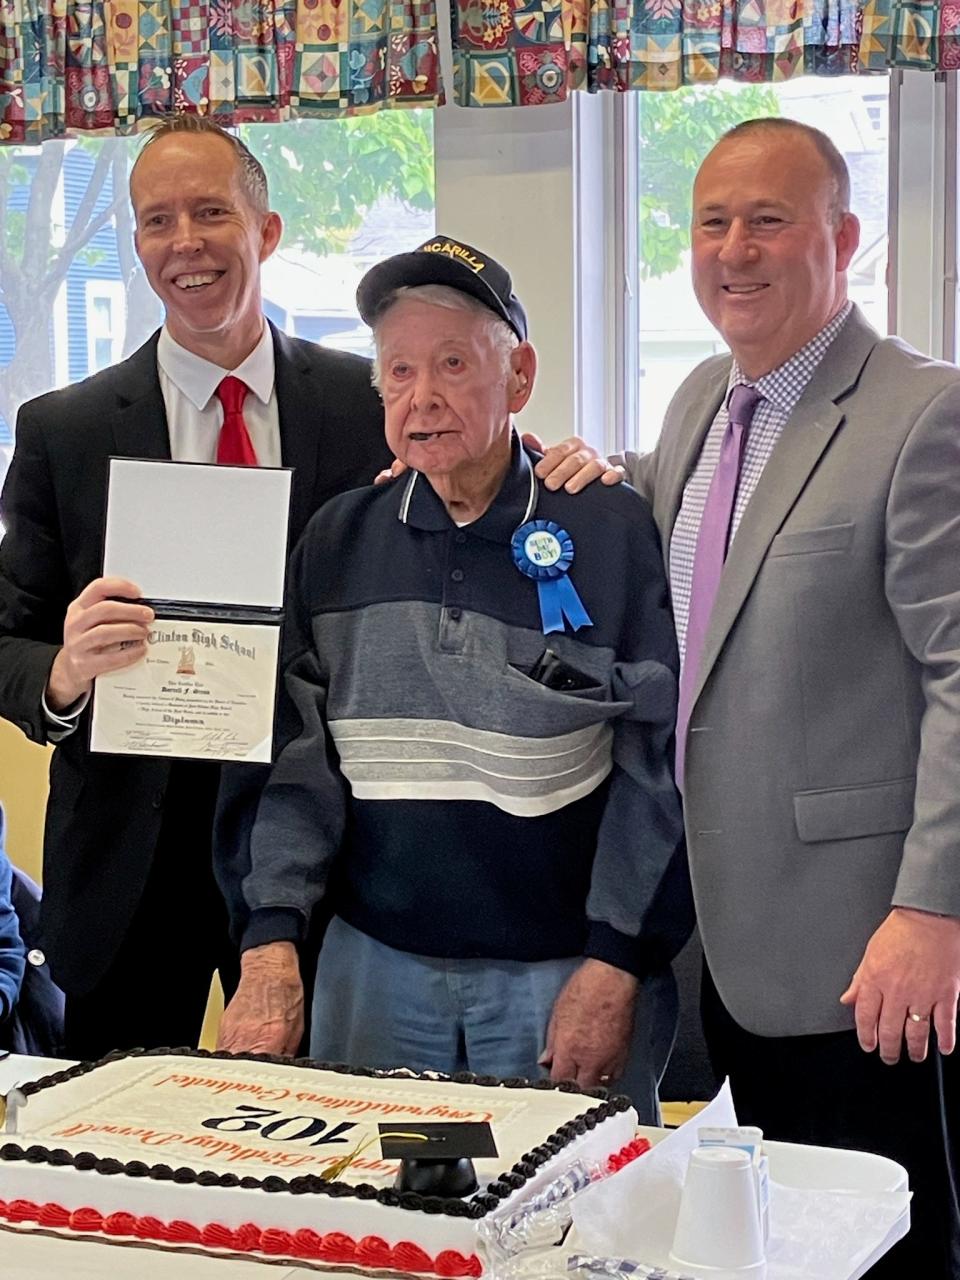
(544, 552)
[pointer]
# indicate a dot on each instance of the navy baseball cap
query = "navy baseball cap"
(441, 260)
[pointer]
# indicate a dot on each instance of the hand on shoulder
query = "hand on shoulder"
(572, 464)
(395, 469)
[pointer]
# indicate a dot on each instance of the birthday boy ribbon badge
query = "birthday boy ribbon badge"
(544, 552)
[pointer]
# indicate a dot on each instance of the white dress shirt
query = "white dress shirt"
(195, 415)
(194, 418)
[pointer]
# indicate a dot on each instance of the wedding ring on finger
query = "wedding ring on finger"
(918, 1017)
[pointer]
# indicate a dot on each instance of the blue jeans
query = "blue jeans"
(375, 1006)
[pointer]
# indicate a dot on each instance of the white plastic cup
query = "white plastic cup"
(718, 1235)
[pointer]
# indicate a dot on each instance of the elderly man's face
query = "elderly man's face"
(768, 254)
(201, 244)
(447, 398)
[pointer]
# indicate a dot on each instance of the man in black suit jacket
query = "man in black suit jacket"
(133, 925)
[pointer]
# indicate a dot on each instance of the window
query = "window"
(671, 133)
(73, 298)
(105, 313)
(350, 192)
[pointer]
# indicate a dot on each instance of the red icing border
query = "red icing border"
(334, 1247)
(627, 1154)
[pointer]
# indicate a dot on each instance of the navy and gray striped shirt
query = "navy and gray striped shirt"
(441, 800)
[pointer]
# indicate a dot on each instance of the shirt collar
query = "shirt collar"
(515, 503)
(785, 385)
(198, 379)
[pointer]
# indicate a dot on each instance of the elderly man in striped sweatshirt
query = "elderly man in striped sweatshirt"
(475, 737)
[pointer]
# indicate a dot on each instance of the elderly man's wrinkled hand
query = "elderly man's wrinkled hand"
(907, 982)
(266, 1013)
(572, 464)
(591, 1026)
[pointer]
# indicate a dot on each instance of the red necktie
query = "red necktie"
(234, 444)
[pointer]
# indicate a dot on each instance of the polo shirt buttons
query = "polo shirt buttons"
(455, 614)
(457, 575)
(460, 538)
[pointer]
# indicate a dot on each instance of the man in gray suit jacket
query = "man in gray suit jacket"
(821, 746)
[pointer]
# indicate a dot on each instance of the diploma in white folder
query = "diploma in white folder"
(207, 545)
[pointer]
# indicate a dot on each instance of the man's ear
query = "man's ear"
(523, 373)
(848, 239)
(270, 233)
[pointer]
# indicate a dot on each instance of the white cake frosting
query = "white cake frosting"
(217, 1152)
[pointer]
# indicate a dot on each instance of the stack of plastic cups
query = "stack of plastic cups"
(719, 1234)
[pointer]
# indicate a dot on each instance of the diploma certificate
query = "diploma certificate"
(204, 690)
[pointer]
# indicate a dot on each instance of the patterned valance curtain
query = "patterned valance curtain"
(923, 37)
(109, 65)
(90, 65)
(537, 52)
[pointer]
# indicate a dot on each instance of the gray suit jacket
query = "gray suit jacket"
(823, 760)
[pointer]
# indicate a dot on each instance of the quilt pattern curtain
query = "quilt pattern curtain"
(537, 51)
(925, 37)
(107, 65)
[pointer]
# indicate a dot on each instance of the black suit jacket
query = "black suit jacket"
(104, 812)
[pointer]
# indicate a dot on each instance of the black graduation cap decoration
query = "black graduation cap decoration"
(437, 1159)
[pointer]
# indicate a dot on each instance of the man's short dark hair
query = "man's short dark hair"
(253, 179)
(836, 165)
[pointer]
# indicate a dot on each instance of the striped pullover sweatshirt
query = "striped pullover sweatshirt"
(438, 798)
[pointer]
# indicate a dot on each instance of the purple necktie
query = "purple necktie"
(712, 540)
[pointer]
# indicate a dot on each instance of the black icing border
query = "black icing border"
(477, 1206)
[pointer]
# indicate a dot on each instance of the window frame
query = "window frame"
(112, 292)
(923, 282)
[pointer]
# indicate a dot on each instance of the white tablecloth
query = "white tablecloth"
(33, 1257)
